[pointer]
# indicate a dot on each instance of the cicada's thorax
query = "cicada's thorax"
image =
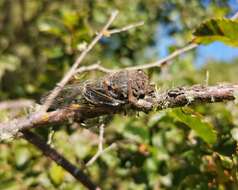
(119, 85)
(116, 85)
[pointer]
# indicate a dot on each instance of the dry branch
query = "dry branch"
(101, 150)
(176, 97)
(59, 159)
(197, 94)
(16, 104)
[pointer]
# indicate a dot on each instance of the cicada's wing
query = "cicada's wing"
(97, 96)
(69, 94)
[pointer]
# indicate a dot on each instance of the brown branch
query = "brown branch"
(59, 159)
(196, 94)
(177, 97)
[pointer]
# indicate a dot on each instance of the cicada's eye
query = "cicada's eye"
(109, 87)
(141, 96)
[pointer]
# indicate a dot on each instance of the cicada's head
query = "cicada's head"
(141, 86)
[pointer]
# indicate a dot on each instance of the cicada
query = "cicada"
(115, 89)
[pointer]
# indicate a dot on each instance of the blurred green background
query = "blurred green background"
(39, 41)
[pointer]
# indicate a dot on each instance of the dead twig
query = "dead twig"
(125, 28)
(165, 60)
(16, 104)
(93, 67)
(59, 159)
(100, 147)
(159, 63)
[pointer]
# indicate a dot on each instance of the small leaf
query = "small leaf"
(8, 63)
(138, 134)
(226, 161)
(223, 30)
(52, 26)
(22, 156)
(195, 121)
(234, 133)
(56, 174)
(70, 17)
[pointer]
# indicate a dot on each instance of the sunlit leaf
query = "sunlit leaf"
(52, 26)
(56, 174)
(8, 62)
(135, 133)
(223, 30)
(22, 156)
(203, 129)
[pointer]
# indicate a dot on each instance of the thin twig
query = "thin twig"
(125, 28)
(72, 70)
(100, 150)
(16, 104)
(93, 67)
(59, 159)
(158, 63)
(99, 153)
(161, 62)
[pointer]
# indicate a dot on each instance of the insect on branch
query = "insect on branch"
(72, 70)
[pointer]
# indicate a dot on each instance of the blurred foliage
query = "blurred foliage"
(39, 40)
(223, 29)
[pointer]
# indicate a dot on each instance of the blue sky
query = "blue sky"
(215, 51)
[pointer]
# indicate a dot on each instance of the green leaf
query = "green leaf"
(56, 174)
(136, 133)
(52, 26)
(195, 121)
(226, 161)
(223, 30)
(22, 156)
(8, 63)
